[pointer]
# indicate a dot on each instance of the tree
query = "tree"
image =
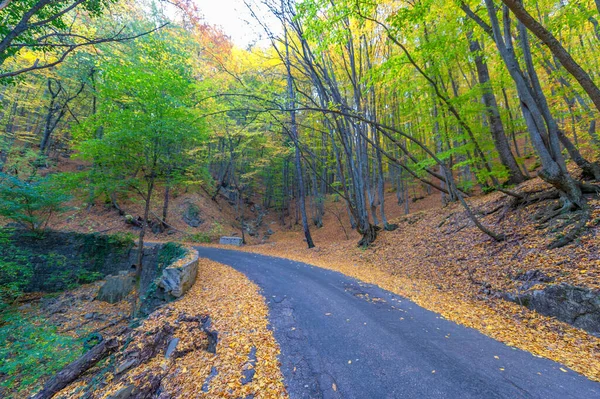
(47, 28)
(149, 123)
(32, 202)
(583, 77)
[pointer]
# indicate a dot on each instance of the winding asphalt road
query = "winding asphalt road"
(341, 338)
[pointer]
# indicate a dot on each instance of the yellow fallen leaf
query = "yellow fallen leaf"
(563, 370)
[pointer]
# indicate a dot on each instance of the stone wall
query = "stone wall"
(174, 281)
(60, 259)
(177, 279)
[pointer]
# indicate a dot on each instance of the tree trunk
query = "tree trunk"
(294, 135)
(140, 255)
(495, 122)
(165, 209)
(557, 49)
(71, 372)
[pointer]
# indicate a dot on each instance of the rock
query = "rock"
(123, 393)
(249, 371)
(126, 365)
(212, 335)
(213, 339)
(237, 241)
(577, 306)
(269, 232)
(531, 278)
(157, 228)
(171, 348)
(89, 316)
(191, 216)
(213, 374)
(116, 288)
(176, 281)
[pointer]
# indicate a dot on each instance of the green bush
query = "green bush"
(66, 276)
(121, 239)
(214, 233)
(169, 253)
(31, 203)
(200, 237)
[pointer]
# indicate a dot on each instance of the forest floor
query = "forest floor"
(244, 361)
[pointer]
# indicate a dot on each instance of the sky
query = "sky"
(235, 19)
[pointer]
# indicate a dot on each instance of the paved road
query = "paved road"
(341, 338)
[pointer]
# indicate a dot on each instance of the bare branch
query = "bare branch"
(36, 66)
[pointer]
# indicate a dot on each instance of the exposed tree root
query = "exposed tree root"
(368, 236)
(575, 232)
(587, 188)
(535, 197)
(556, 211)
(577, 215)
(390, 227)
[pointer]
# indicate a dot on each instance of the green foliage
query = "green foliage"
(121, 239)
(169, 253)
(30, 349)
(51, 13)
(15, 269)
(201, 237)
(148, 118)
(67, 276)
(214, 233)
(31, 203)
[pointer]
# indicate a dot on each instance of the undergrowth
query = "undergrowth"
(31, 350)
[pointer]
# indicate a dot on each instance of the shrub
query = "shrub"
(169, 253)
(30, 203)
(214, 233)
(200, 237)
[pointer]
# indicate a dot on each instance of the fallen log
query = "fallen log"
(71, 372)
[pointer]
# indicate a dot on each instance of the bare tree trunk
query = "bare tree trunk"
(165, 209)
(495, 122)
(565, 58)
(140, 255)
(589, 168)
(294, 135)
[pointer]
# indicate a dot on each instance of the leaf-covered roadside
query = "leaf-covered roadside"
(238, 314)
(438, 259)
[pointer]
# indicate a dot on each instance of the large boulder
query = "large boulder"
(191, 216)
(577, 306)
(116, 288)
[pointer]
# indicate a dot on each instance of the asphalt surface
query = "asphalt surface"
(341, 338)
